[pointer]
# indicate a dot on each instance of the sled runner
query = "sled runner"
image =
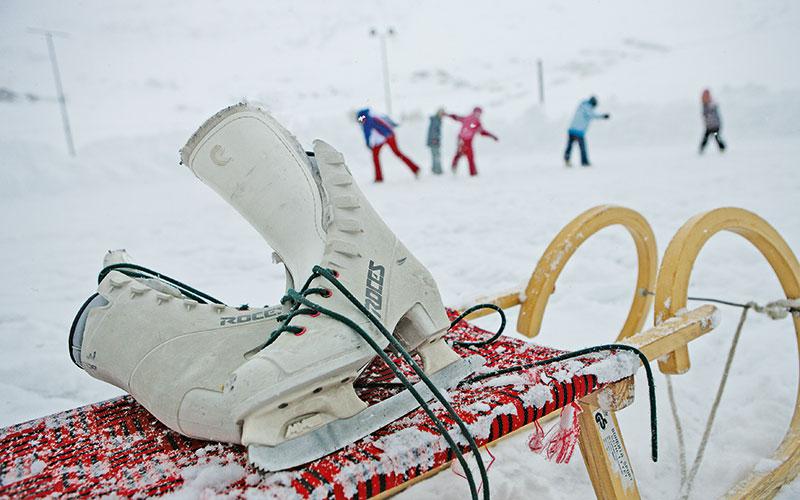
(117, 447)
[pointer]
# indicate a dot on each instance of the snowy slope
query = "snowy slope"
(140, 78)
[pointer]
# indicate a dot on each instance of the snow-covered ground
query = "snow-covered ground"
(140, 78)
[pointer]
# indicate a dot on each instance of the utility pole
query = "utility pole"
(387, 91)
(540, 69)
(62, 101)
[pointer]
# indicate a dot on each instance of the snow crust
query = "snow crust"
(613, 368)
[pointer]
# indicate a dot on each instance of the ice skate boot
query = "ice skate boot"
(171, 352)
(258, 167)
(261, 170)
(310, 407)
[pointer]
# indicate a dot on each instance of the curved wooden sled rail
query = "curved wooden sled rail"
(542, 282)
(671, 293)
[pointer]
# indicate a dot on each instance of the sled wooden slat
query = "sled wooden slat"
(675, 333)
(605, 455)
(616, 396)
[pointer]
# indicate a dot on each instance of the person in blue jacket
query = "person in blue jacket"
(577, 129)
(379, 130)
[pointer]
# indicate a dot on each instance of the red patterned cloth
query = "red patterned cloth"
(117, 447)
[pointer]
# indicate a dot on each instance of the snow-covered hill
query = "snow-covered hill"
(141, 77)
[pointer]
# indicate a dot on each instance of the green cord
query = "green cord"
(471, 310)
(300, 297)
(591, 350)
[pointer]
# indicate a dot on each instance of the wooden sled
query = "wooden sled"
(668, 340)
(85, 457)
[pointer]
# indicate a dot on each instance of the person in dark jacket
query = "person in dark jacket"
(712, 122)
(435, 141)
(379, 130)
(577, 129)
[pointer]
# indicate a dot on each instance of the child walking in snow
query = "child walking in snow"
(711, 121)
(470, 125)
(435, 140)
(379, 130)
(577, 129)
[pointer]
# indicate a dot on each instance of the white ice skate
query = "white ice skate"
(171, 352)
(294, 398)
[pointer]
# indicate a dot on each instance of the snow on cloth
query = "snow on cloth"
(117, 448)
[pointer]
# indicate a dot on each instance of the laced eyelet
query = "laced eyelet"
(328, 293)
(304, 330)
(335, 273)
(315, 315)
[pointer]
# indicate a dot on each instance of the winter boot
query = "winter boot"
(173, 354)
(315, 215)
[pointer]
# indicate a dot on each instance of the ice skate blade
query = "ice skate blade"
(340, 433)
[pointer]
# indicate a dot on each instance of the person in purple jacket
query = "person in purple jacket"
(379, 130)
(712, 122)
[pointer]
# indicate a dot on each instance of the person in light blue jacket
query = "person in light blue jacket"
(577, 129)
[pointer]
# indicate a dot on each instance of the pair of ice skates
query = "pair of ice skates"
(278, 379)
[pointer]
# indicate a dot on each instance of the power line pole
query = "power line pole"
(62, 101)
(387, 91)
(540, 69)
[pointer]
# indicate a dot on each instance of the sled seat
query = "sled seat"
(117, 447)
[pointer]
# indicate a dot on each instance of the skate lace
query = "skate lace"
(293, 297)
(301, 305)
(137, 271)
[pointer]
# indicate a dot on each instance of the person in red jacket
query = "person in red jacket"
(470, 125)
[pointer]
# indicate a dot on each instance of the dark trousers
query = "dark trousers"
(581, 144)
(712, 132)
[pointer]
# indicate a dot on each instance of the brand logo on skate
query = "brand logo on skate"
(86, 362)
(246, 318)
(374, 293)
(217, 155)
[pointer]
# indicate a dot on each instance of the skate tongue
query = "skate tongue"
(339, 433)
